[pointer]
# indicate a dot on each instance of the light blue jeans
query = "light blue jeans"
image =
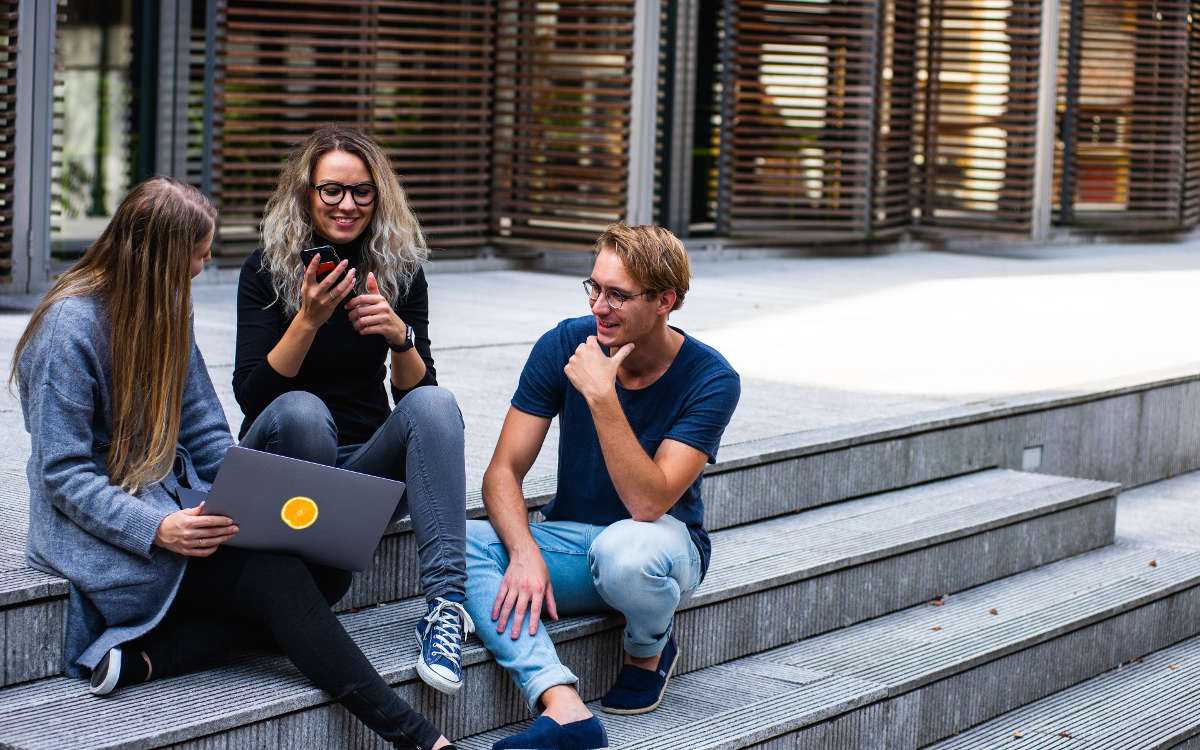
(642, 570)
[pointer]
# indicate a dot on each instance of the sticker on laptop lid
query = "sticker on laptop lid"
(299, 512)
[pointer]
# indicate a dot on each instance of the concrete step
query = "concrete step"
(33, 602)
(758, 482)
(771, 583)
(916, 676)
(1150, 704)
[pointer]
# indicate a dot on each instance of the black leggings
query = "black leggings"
(240, 598)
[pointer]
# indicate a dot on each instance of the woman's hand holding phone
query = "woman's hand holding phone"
(318, 299)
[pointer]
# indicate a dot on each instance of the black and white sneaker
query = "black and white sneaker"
(107, 673)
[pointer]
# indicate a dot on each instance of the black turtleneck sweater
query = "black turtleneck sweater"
(345, 369)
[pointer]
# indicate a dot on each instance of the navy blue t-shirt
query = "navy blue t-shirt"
(691, 403)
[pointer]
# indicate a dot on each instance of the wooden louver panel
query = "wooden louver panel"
(1129, 112)
(1190, 213)
(800, 150)
(562, 113)
(197, 59)
(8, 128)
(977, 112)
(416, 75)
(893, 153)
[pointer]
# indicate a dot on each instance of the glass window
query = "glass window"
(93, 144)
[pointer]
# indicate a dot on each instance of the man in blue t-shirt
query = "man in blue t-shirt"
(641, 408)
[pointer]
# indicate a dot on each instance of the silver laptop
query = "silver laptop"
(325, 515)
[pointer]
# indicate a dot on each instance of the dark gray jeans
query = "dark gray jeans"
(420, 443)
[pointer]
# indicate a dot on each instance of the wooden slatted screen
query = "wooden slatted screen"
(1190, 212)
(977, 112)
(800, 152)
(895, 134)
(562, 111)
(8, 132)
(416, 75)
(1128, 122)
(197, 58)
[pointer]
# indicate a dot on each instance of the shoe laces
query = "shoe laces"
(450, 624)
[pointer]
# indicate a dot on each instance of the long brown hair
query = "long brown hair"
(140, 269)
(395, 246)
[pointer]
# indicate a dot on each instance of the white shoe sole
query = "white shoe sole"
(111, 677)
(431, 678)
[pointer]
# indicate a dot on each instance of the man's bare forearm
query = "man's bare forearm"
(639, 482)
(504, 501)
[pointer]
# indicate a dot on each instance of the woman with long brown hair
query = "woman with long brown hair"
(313, 357)
(121, 415)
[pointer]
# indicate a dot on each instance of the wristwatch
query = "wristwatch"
(409, 341)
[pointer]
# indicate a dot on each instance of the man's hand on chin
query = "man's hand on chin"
(592, 372)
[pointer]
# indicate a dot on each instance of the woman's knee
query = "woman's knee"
(302, 427)
(432, 405)
(299, 409)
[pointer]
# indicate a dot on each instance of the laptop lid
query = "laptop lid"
(325, 515)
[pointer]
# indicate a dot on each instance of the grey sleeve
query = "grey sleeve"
(60, 409)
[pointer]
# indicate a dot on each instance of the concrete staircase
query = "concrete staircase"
(887, 591)
(1149, 703)
(911, 678)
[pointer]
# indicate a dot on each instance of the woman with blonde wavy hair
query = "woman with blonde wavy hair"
(314, 345)
(121, 414)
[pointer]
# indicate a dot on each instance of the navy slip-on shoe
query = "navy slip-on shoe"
(639, 691)
(548, 734)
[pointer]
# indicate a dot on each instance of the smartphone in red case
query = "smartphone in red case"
(329, 258)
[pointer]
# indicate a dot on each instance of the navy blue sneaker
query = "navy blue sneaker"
(440, 634)
(548, 734)
(639, 691)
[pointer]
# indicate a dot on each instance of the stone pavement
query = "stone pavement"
(819, 342)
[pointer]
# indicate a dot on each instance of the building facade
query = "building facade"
(529, 123)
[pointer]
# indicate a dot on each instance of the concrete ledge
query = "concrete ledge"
(920, 675)
(1132, 430)
(898, 549)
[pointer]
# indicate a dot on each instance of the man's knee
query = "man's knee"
(627, 550)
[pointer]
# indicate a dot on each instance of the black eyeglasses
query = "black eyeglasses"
(614, 297)
(331, 193)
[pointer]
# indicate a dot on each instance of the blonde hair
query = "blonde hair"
(396, 246)
(653, 256)
(140, 268)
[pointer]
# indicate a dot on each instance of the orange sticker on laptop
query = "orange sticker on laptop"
(299, 512)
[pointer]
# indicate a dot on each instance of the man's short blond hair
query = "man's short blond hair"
(653, 256)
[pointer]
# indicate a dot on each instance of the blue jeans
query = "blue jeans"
(420, 443)
(641, 570)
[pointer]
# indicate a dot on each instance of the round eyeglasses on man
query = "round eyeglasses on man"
(614, 297)
(331, 193)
